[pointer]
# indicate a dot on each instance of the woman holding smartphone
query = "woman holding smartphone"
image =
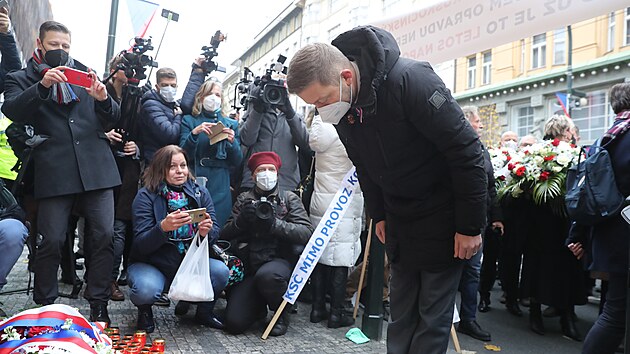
(214, 151)
(163, 231)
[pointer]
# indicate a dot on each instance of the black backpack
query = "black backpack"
(592, 192)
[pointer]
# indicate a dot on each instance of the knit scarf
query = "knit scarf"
(620, 126)
(176, 199)
(61, 93)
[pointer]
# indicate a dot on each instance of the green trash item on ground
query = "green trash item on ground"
(356, 336)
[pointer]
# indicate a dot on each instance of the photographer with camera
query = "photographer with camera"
(268, 226)
(123, 143)
(75, 165)
(214, 152)
(271, 124)
(160, 114)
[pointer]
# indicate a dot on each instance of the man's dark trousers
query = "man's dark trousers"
(98, 209)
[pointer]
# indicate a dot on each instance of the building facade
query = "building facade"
(519, 85)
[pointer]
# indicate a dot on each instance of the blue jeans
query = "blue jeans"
(12, 237)
(146, 282)
(468, 287)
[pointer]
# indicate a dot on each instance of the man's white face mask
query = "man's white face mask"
(266, 180)
(333, 112)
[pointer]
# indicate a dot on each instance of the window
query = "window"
(358, 16)
(523, 120)
(472, 71)
(611, 31)
(559, 46)
(486, 68)
(335, 5)
(311, 13)
(626, 30)
(594, 118)
(539, 51)
(333, 32)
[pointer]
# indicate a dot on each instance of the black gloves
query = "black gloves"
(256, 101)
(286, 106)
(246, 217)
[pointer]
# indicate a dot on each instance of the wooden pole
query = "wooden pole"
(274, 320)
(455, 339)
(363, 268)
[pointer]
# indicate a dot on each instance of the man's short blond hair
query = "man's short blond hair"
(317, 62)
(470, 112)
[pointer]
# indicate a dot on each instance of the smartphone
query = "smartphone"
(78, 77)
(197, 215)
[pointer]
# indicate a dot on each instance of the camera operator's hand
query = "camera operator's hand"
(256, 101)
(175, 220)
(205, 226)
(203, 128)
(114, 136)
(246, 217)
(5, 22)
(286, 106)
(98, 90)
(54, 76)
(130, 148)
(199, 63)
(230, 134)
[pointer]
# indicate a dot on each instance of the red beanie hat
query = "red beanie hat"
(264, 157)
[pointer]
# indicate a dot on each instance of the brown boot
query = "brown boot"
(117, 295)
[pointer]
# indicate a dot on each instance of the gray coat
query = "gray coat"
(271, 131)
(76, 157)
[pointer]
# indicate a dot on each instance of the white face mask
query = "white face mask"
(266, 180)
(333, 112)
(211, 103)
(168, 93)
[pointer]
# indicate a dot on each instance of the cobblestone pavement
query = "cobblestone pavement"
(183, 335)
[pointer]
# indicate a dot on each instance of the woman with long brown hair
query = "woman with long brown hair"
(163, 231)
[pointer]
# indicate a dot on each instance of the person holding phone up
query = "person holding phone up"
(72, 119)
(163, 231)
(214, 152)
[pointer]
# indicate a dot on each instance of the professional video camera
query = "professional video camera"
(209, 52)
(272, 85)
(264, 209)
(135, 62)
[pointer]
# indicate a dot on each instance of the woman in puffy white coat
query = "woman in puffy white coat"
(331, 165)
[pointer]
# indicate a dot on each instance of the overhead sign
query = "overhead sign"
(457, 28)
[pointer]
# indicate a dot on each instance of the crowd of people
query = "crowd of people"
(132, 163)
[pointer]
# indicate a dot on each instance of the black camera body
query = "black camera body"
(272, 88)
(264, 209)
(135, 62)
(209, 52)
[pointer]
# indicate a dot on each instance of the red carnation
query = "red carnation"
(555, 142)
(510, 166)
(509, 158)
(37, 330)
(544, 176)
(550, 158)
(502, 178)
(520, 171)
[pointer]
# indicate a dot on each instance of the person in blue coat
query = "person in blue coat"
(212, 161)
(163, 232)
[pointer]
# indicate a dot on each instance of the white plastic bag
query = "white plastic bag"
(192, 281)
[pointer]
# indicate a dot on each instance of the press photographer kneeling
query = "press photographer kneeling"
(268, 226)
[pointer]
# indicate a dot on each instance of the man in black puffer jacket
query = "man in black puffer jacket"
(420, 166)
(272, 240)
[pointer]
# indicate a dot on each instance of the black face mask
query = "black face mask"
(56, 57)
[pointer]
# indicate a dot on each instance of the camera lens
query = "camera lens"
(273, 95)
(264, 210)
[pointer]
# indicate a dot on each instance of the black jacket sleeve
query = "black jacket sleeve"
(21, 105)
(494, 209)
(438, 117)
(295, 227)
(230, 230)
(10, 57)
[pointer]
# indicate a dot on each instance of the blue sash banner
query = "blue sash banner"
(323, 232)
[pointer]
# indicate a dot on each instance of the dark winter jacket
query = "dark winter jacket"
(494, 210)
(10, 57)
(419, 162)
(76, 157)
(159, 125)
(194, 83)
(273, 131)
(291, 228)
(150, 244)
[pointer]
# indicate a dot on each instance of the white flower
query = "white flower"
(67, 324)
(10, 334)
(538, 160)
(564, 159)
(556, 169)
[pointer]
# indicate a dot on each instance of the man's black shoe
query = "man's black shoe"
(163, 301)
(145, 318)
(484, 305)
(182, 308)
(513, 308)
(98, 313)
(282, 325)
(473, 329)
(210, 321)
(122, 279)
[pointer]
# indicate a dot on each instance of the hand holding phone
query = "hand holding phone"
(78, 77)
(196, 215)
